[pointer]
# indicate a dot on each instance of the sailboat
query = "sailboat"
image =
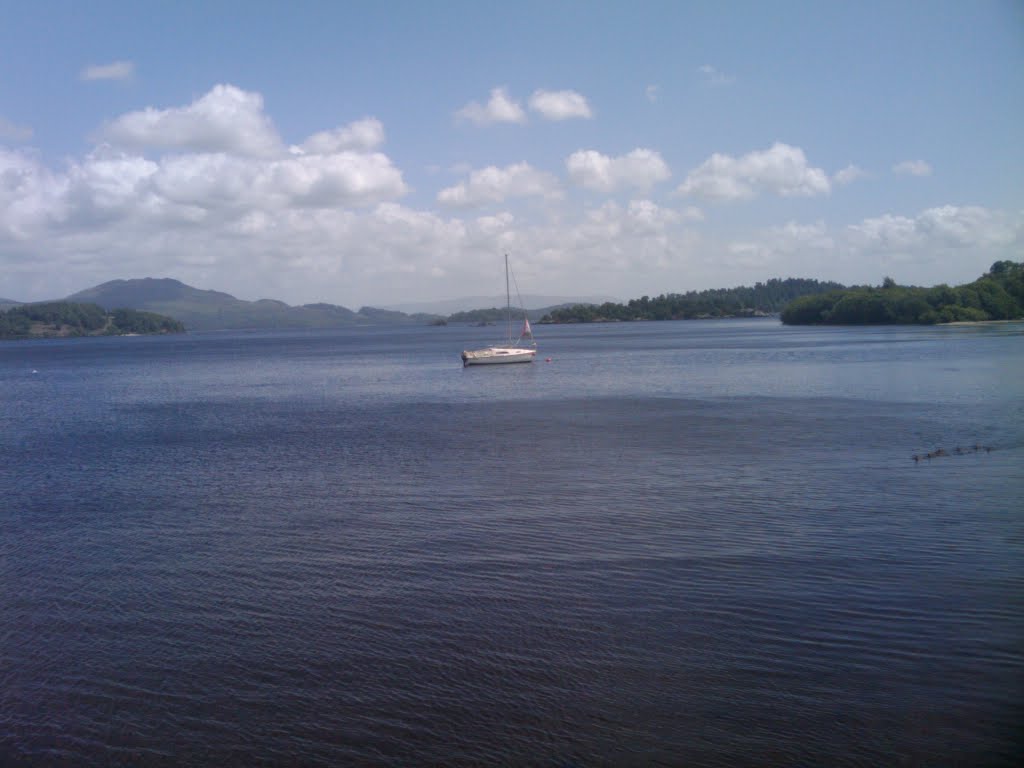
(510, 352)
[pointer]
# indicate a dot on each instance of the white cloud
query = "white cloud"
(560, 105)
(886, 232)
(848, 175)
(13, 132)
(952, 244)
(322, 221)
(942, 228)
(495, 185)
(780, 170)
(647, 216)
(652, 92)
(116, 196)
(227, 119)
(912, 168)
(219, 182)
(641, 238)
(641, 168)
(792, 243)
(969, 226)
(499, 109)
(118, 70)
(361, 135)
(714, 77)
(30, 199)
(494, 225)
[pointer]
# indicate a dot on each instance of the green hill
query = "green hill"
(996, 295)
(65, 318)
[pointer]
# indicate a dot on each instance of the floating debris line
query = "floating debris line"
(938, 453)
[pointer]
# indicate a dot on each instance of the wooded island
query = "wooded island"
(996, 295)
(66, 318)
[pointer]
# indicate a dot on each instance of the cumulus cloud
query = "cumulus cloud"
(714, 76)
(886, 232)
(495, 185)
(648, 216)
(953, 244)
(780, 170)
(227, 119)
(118, 70)
(641, 168)
(791, 242)
(652, 92)
(944, 227)
(13, 132)
(500, 108)
(560, 105)
(615, 240)
(30, 198)
(848, 175)
(116, 194)
(361, 135)
(912, 168)
(323, 221)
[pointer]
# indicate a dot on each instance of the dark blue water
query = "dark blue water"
(694, 543)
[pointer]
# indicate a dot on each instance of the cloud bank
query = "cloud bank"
(210, 193)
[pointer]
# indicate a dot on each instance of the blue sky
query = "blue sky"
(392, 152)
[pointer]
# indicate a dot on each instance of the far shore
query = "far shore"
(983, 322)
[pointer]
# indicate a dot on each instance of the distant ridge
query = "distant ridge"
(148, 290)
(467, 303)
(204, 310)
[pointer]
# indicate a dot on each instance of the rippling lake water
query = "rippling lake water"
(690, 543)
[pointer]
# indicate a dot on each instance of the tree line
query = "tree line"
(996, 295)
(766, 298)
(67, 318)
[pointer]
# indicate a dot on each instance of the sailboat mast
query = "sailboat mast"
(508, 302)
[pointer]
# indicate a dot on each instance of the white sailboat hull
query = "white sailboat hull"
(498, 355)
(512, 352)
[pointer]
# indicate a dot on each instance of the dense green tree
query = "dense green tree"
(762, 298)
(66, 318)
(996, 295)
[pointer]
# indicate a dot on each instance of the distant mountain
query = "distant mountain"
(468, 303)
(202, 310)
(9, 301)
(391, 317)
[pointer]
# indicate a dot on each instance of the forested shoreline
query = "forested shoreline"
(762, 299)
(66, 318)
(996, 295)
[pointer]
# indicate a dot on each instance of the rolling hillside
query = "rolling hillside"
(202, 310)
